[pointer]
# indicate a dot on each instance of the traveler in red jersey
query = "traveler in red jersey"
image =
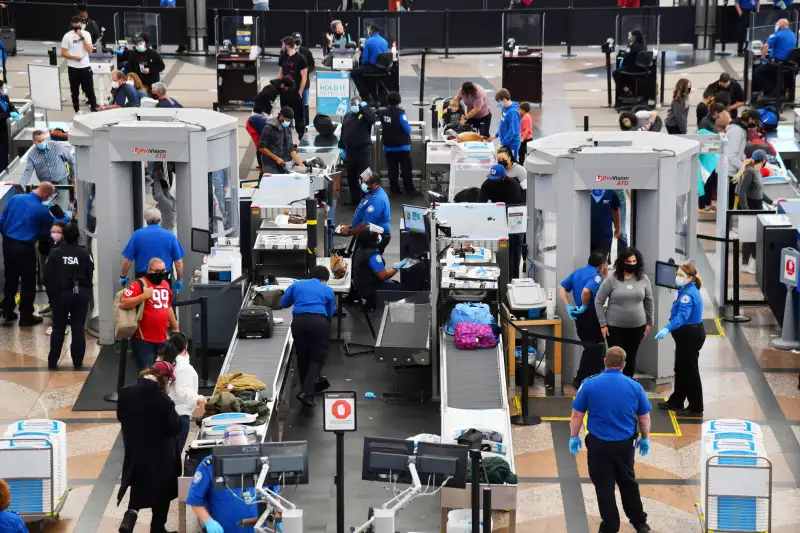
(153, 291)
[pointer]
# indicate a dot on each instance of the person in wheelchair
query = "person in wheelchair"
(370, 273)
(627, 63)
(774, 52)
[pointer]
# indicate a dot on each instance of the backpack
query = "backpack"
(769, 118)
(470, 336)
(324, 125)
(476, 313)
(126, 321)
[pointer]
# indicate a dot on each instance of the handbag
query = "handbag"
(477, 313)
(126, 321)
(469, 336)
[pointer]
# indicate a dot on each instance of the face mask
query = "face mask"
(129, 82)
(286, 123)
(42, 146)
(115, 85)
(680, 281)
(354, 109)
(597, 194)
(55, 236)
(76, 28)
(630, 269)
(364, 187)
(499, 104)
(140, 48)
(156, 277)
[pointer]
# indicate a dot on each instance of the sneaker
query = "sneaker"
(687, 413)
(305, 400)
(49, 330)
(32, 320)
(128, 521)
(642, 528)
(10, 317)
(44, 311)
(749, 268)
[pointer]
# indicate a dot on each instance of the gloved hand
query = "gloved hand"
(212, 526)
(342, 154)
(578, 311)
(178, 285)
(662, 333)
(570, 310)
(575, 445)
(400, 264)
(48, 203)
(119, 52)
(68, 214)
(362, 104)
(14, 115)
(123, 280)
(369, 395)
(644, 446)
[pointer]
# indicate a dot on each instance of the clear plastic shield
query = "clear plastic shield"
(649, 25)
(525, 28)
(240, 32)
(143, 23)
(390, 28)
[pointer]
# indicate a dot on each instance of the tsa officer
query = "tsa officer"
(7, 110)
(584, 283)
(220, 509)
(615, 404)
(373, 209)
(314, 306)
(686, 326)
(356, 141)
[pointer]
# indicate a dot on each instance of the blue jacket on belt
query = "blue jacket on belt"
(508, 131)
(687, 309)
(26, 219)
(374, 46)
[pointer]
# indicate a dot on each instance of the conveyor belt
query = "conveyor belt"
(473, 377)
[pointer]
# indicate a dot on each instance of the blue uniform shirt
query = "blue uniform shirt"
(26, 219)
(309, 296)
(614, 401)
(377, 264)
(781, 43)
(153, 241)
(584, 278)
(11, 522)
(747, 4)
(225, 506)
(374, 209)
(373, 47)
(601, 216)
(687, 309)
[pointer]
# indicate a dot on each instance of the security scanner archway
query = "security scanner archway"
(111, 150)
(661, 173)
(264, 468)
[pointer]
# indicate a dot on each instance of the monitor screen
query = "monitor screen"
(665, 274)
(414, 218)
(201, 241)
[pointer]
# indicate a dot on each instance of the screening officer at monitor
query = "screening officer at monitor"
(369, 268)
(615, 404)
(774, 52)
(584, 283)
(498, 187)
(373, 209)
(686, 326)
(220, 509)
(374, 46)
(356, 141)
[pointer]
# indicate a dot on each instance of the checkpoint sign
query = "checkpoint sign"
(789, 265)
(340, 411)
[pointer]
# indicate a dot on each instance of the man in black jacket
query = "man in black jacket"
(265, 100)
(356, 141)
(82, 12)
(275, 145)
(145, 62)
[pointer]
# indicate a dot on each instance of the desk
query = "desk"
(340, 288)
(538, 324)
(522, 76)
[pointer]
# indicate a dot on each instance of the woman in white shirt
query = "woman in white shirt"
(183, 390)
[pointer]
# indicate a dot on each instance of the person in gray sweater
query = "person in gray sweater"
(678, 113)
(736, 132)
(628, 316)
(750, 192)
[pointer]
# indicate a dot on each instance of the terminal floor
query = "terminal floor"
(742, 376)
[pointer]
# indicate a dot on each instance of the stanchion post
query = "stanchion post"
(446, 35)
(340, 482)
(663, 75)
(736, 317)
(608, 77)
(523, 419)
(204, 381)
(123, 360)
(422, 85)
(487, 508)
(569, 32)
(585, 122)
(311, 234)
(475, 459)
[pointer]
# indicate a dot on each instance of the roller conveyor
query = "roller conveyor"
(473, 377)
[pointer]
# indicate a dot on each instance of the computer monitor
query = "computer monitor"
(238, 467)
(288, 462)
(414, 218)
(201, 241)
(386, 460)
(438, 462)
(665, 274)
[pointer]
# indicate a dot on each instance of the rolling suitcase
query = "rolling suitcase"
(255, 321)
(8, 35)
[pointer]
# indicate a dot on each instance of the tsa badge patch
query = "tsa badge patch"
(685, 299)
(198, 477)
(370, 209)
(598, 278)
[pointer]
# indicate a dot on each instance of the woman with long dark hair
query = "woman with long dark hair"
(629, 315)
(678, 112)
(151, 465)
(184, 389)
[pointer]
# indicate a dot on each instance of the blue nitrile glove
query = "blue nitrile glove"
(578, 311)
(644, 446)
(362, 104)
(14, 115)
(400, 264)
(119, 52)
(570, 310)
(575, 445)
(212, 526)
(369, 395)
(48, 203)
(342, 154)
(178, 285)
(662, 333)
(123, 280)
(68, 214)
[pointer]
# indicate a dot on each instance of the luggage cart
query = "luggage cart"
(38, 488)
(737, 496)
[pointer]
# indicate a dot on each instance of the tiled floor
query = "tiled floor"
(668, 475)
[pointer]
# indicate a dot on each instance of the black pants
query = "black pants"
(159, 521)
(748, 251)
(514, 254)
(357, 160)
(483, 125)
(81, 78)
(399, 163)
(629, 340)
(766, 78)
(311, 333)
(588, 329)
(674, 130)
(357, 75)
(69, 308)
(741, 30)
(710, 186)
(610, 465)
(19, 259)
(620, 82)
(688, 342)
(523, 151)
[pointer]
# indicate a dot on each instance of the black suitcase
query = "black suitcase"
(255, 321)
(8, 35)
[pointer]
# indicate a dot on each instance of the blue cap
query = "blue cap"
(496, 172)
(759, 155)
